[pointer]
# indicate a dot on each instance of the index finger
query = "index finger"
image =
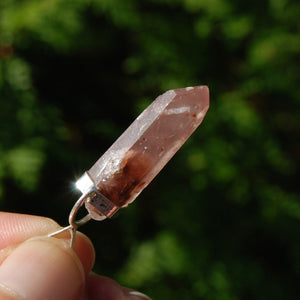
(16, 228)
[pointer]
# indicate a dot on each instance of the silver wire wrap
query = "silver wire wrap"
(98, 205)
(72, 220)
(86, 186)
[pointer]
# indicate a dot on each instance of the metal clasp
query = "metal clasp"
(99, 207)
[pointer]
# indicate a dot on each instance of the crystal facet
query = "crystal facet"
(138, 155)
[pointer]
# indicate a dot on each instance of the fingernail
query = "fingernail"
(138, 294)
(42, 268)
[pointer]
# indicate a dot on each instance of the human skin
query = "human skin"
(34, 266)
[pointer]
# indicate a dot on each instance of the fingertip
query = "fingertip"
(103, 288)
(83, 247)
(85, 251)
(135, 295)
(43, 268)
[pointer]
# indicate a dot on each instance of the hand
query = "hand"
(35, 267)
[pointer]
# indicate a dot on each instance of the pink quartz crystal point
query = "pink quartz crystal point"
(139, 154)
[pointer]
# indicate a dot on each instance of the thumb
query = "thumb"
(43, 268)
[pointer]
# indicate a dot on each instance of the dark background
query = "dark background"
(221, 221)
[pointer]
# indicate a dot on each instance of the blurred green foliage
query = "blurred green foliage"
(222, 220)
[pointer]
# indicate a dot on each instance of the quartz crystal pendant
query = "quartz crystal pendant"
(138, 155)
